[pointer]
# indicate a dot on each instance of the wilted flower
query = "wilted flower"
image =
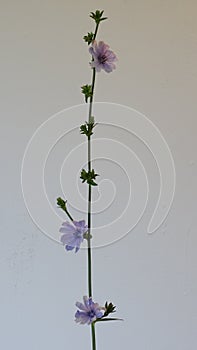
(73, 234)
(103, 58)
(90, 311)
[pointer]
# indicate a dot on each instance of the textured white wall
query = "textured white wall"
(151, 278)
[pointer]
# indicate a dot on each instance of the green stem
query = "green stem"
(89, 202)
(89, 224)
(70, 217)
(91, 98)
(96, 30)
(90, 197)
(62, 204)
(93, 336)
(89, 212)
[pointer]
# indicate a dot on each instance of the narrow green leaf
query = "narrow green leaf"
(108, 319)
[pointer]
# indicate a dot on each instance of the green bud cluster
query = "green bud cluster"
(109, 309)
(97, 16)
(89, 177)
(87, 128)
(87, 235)
(87, 91)
(61, 203)
(89, 38)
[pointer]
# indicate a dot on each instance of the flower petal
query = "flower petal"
(68, 247)
(81, 306)
(67, 227)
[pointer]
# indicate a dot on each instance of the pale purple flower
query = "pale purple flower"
(90, 311)
(73, 234)
(103, 58)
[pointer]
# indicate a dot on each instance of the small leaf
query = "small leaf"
(108, 319)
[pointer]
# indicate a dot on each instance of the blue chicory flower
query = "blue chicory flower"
(73, 234)
(103, 58)
(90, 311)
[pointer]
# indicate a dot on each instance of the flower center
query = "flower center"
(91, 314)
(102, 59)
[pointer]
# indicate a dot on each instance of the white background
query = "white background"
(151, 278)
